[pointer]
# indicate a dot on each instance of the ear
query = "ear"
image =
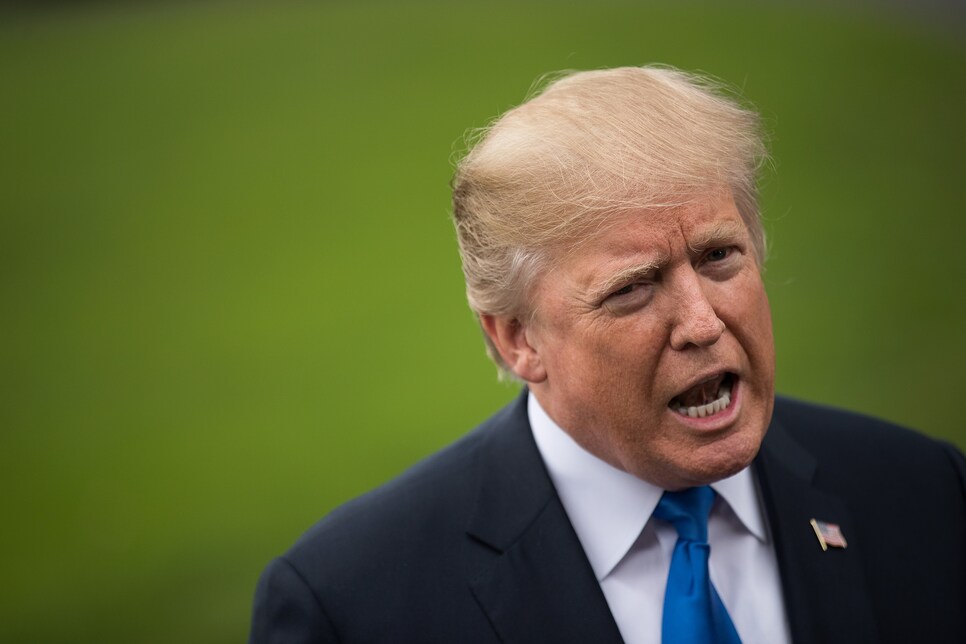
(509, 336)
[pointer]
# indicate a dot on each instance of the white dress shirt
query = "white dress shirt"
(630, 553)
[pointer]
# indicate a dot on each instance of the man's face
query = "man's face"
(652, 344)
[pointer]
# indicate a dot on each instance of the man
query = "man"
(612, 250)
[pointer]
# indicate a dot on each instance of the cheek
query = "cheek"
(745, 303)
(632, 350)
(751, 322)
(761, 313)
(619, 360)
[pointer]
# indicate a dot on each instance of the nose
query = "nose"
(695, 321)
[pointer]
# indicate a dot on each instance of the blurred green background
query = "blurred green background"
(231, 297)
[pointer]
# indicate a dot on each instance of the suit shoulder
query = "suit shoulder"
(416, 513)
(396, 557)
(800, 416)
(436, 485)
(859, 441)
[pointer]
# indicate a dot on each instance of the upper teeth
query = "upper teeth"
(713, 407)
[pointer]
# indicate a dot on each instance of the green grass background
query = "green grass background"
(231, 297)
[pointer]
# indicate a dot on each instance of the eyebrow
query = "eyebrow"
(623, 277)
(720, 232)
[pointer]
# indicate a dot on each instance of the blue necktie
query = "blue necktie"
(693, 612)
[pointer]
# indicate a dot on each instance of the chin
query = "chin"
(712, 462)
(715, 462)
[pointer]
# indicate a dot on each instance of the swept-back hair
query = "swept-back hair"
(541, 178)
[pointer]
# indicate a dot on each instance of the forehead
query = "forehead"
(657, 235)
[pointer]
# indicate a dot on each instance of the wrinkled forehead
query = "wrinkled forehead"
(700, 220)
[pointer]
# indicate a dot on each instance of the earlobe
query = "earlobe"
(510, 338)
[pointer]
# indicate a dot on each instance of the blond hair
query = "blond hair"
(546, 174)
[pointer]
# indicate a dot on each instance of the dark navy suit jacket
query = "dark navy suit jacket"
(473, 544)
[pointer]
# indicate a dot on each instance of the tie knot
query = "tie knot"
(687, 510)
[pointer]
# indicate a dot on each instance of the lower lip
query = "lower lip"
(721, 420)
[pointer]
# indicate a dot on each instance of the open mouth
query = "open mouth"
(705, 398)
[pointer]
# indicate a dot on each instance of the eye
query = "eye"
(625, 290)
(721, 263)
(628, 298)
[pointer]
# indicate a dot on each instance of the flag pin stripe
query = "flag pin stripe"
(829, 534)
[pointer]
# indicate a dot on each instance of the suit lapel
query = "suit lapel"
(530, 575)
(826, 598)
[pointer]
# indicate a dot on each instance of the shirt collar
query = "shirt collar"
(609, 507)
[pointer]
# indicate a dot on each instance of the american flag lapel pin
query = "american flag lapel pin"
(829, 534)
